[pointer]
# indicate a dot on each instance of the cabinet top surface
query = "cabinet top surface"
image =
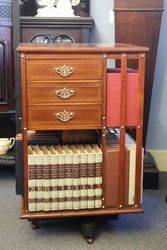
(81, 48)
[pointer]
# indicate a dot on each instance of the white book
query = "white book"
(62, 178)
(91, 176)
(83, 177)
(31, 180)
(98, 175)
(39, 177)
(46, 178)
(54, 178)
(131, 145)
(76, 177)
(69, 177)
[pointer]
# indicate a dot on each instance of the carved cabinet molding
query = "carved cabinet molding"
(6, 57)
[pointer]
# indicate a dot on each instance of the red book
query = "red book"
(114, 97)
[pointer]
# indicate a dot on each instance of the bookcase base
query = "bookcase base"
(78, 213)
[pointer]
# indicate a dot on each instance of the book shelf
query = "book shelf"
(46, 69)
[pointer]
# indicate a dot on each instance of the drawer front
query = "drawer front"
(64, 93)
(78, 69)
(64, 117)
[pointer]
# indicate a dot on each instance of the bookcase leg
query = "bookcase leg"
(35, 225)
(88, 231)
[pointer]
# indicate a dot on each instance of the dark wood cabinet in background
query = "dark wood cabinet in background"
(77, 29)
(6, 57)
(138, 22)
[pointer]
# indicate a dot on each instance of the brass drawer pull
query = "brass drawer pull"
(64, 70)
(65, 116)
(65, 93)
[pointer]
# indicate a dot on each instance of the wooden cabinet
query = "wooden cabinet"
(6, 57)
(55, 30)
(64, 88)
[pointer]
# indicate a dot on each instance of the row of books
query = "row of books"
(66, 177)
(113, 168)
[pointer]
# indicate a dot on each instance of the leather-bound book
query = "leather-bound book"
(114, 97)
(69, 177)
(54, 178)
(91, 176)
(62, 178)
(76, 176)
(39, 158)
(31, 181)
(98, 175)
(46, 178)
(83, 177)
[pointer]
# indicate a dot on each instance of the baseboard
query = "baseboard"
(160, 157)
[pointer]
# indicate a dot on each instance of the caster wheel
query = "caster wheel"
(89, 241)
(34, 225)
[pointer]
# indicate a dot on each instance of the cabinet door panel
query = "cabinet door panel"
(3, 76)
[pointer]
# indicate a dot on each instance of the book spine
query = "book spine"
(69, 186)
(76, 186)
(54, 187)
(132, 175)
(98, 185)
(62, 184)
(91, 185)
(84, 185)
(46, 184)
(39, 187)
(32, 188)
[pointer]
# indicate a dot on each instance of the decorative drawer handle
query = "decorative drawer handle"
(65, 116)
(65, 93)
(64, 70)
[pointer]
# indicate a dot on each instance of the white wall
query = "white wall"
(157, 129)
(103, 30)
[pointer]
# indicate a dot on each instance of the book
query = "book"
(31, 181)
(39, 177)
(76, 176)
(62, 178)
(83, 177)
(98, 175)
(91, 176)
(35, 138)
(69, 177)
(54, 178)
(46, 178)
(114, 97)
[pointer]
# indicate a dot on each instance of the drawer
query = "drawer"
(42, 117)
(64, 93)
(77, 69)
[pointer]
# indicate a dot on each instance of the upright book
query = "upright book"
(39, 161)
(31, 180)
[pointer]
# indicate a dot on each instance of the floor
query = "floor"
(145, 231)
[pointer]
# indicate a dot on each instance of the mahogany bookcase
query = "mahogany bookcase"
(95, 57)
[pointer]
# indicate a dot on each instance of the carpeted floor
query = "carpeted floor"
(145, 231)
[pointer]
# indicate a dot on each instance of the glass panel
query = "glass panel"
(41, 39)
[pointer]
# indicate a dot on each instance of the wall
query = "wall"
(103, 30)
(157, 128)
